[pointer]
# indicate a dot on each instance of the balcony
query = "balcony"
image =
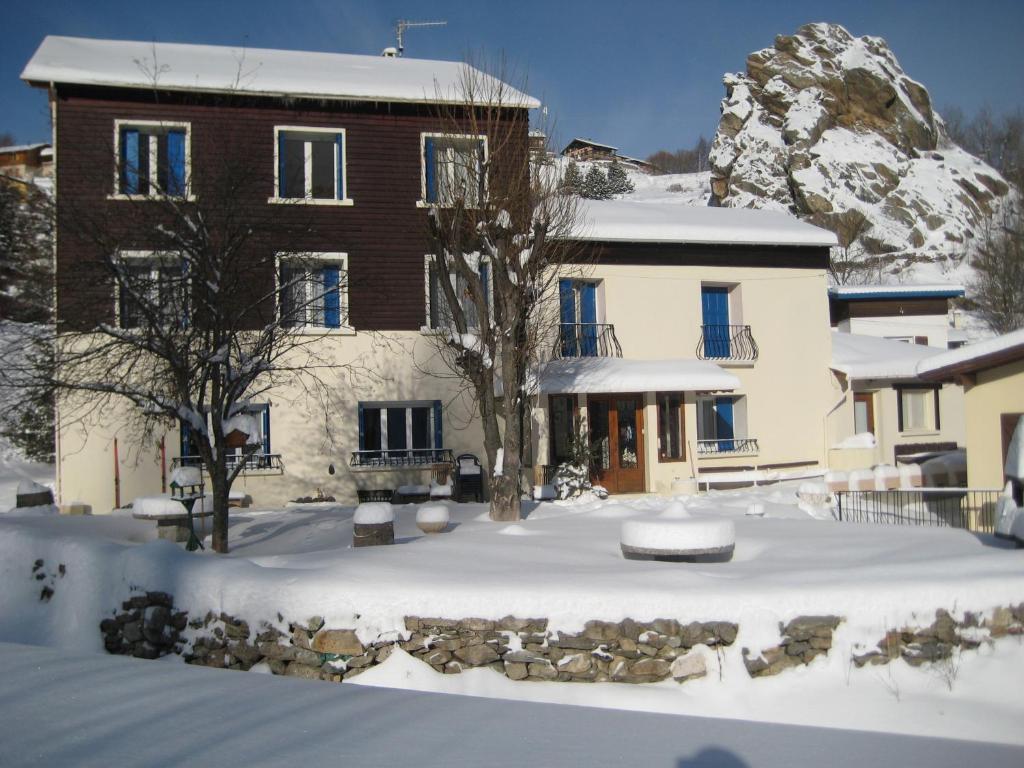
(727, 342)
(401, 458)
(586, 340)
(256, 462)
(733, 446)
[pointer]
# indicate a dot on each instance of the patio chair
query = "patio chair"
(469, 478)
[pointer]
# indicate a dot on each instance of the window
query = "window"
(714, 304)
(565, 428)
(152, 158)
(312, 290)
(722, 426)
(918, 409)
(310, 165)
(863, 413)
(260, 413)
(152, 289)
(439, 314)
(671, 429)
(403, 431)
(453, 168)
(577, 301)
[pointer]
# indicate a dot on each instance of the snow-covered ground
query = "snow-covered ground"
(14, 468)
(563, 563)
(75, 709)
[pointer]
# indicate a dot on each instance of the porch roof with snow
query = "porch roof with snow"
(608, 375)
(628, 221)
(871, 357)
(990, 353)
(255, 71)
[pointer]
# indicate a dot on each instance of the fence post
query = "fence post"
(839, 499)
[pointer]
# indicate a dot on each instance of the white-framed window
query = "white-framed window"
(312, 290)
(439, 314)
(918, 409)
(153, 158)
(309, 165)
(453, 168)
(399, 428)
(722, 425)
(151, 288)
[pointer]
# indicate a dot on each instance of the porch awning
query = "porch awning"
(614, 374)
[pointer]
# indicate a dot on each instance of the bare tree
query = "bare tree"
(849, 262)
(179, 310)
(499, 227)
(997, 290)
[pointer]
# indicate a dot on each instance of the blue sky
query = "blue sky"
(642, 76)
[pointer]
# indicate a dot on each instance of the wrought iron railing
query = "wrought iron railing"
(726, 342)
(402, 457)
(972, 509)
(733, 446)
(587, 340)
(252, 463)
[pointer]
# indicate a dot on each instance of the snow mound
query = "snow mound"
(859, 440)
(432, 513)
(374, 513)
(829, 126)
(676, 510)
(42, 510)
(678, 536)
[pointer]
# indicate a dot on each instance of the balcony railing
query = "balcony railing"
(587, 340)
(733, 446)
(257, 462)
(397, 458)
(726, 342)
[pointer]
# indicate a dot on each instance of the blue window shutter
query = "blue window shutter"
(724, 423)
(185, 435)
(362, 428)
(715, 313)
(567, 302)
(438, 434)
(176, 163)
(339, 142)
(332, 297)
(485, 283)
(588, 315)
(280, 165)
(266, 430)
(430, 169)
(130, 161)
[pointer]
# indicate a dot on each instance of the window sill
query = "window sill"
(315, 330)
(428, 204)
(309, 201)
(920, 433)
(734, 363)
(665, 460)
(152, 198)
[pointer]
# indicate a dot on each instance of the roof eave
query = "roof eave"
(976, 364)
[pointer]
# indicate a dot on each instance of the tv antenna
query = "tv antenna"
(402, 25)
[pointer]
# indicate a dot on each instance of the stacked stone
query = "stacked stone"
(524, 649)
(803, 640)
(938, 641)
(148, 627)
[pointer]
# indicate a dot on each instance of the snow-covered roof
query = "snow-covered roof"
(871, 357)
(263, 71)
(21, 148)
(591, 143)
(975, 357)
(615, 374)
(628, 221)
(937, 290)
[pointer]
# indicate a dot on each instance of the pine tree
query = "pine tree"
(618, 180)
(595, 185)
(572, 181)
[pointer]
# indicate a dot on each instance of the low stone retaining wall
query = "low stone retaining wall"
(522, 649)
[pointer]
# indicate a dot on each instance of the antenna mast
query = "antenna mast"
(402, 25)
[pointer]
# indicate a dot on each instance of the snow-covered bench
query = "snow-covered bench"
(170, 516)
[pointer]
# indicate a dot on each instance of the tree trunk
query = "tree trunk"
(505, 498)
(218, 481)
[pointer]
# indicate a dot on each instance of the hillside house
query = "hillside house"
(917, 314)
(690, 341)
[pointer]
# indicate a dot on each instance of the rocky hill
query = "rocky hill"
(829, 126)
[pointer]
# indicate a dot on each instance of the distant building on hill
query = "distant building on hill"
(27, 161)
(594, 151)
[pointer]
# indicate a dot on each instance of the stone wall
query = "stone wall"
(520, 648)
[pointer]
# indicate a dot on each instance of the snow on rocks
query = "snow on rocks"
(830, 126)
(432, 518)
(677, 538)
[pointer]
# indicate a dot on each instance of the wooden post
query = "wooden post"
(163, 464)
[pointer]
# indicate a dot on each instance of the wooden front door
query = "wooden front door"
(616, 425)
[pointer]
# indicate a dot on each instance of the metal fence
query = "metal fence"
(971, 509)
